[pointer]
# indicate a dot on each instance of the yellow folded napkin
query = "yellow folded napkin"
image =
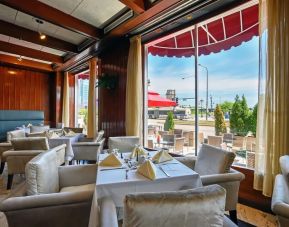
(162, 156)
(110, 160)
(70, 133)
(147, 169)
(138, 150)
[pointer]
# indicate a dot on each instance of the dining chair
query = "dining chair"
(162, 133)
(151, 131)
(124, 144)
(213, 164)
(215, 141)
(178, 132)
(228, 137)
(200, 207)
(150, 144)
(179, 145)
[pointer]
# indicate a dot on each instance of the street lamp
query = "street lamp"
(207, 93)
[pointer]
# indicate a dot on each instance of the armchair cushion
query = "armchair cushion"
(213, 160)
(284, 163)
(42, 174)
(188, 161)
(20, 133)
(39, 143)
(198, 207)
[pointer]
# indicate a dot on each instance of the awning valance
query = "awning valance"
(219, 33)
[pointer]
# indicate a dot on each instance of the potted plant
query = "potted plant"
(107, 81)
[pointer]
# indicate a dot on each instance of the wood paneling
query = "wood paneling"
(112, 102)
(249, 196)
(22, 89)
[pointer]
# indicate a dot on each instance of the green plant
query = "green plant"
(107, 81)
(169, 123)
(252, 122)
(239, 116)
(226, 106)
(220, 125)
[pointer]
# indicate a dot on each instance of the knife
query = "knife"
(112, 168)
(164, 171)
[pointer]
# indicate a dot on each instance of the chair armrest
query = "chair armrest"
(76, 175)
(233, 175)
(79, 144)
(187, 161)
(280, 197)
(108, 215)
(22, 153)
(44, 200)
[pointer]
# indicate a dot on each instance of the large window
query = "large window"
(212, 80)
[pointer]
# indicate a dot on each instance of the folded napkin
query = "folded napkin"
(147, 169)
(70, 133)
(110, 160)
(138, 150)
(51, 135)
(162, 156)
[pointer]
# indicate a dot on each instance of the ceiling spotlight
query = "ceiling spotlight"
(42, 36)
(19, 58)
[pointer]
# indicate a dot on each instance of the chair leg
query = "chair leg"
(2, 167)
(233, 216)
(9, 181)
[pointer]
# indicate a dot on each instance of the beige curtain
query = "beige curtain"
(91, 108)
(134, 93)
(273, 108)
(65, 103)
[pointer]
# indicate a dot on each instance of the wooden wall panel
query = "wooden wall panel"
(112, 102)
(22, 89)
(72, 100)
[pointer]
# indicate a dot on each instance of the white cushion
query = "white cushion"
(15, 134)
(85, 187)
(213, 160)
(42, 174)
(284, 164)
(36, 128)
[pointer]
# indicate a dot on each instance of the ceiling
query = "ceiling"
(76, 29)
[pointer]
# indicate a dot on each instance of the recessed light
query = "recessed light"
(42, 36)
(11, 72)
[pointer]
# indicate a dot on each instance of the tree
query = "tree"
(169, 123)
(220, 125)
(252, 123)
(226, 106)
(239, 116)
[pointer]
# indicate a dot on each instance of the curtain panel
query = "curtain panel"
(273, 108)
(65, 105)
(134, 89)
(91, 108)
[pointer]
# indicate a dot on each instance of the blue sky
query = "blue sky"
(231, 72)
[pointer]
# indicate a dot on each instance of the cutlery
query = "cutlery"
(164, 171)
(112, 168)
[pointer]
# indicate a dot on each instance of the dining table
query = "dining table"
(117, 182)
(68, 140)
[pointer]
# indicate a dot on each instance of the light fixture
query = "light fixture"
(42, 36)
(19, 58)
(11, 72)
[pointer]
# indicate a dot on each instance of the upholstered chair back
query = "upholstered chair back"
(39, 128)
(15, 134)
(195, 207)
(213, 160)
(42, 174)
(123, 143)
(284, 164)
(33, 143)
(75, 130)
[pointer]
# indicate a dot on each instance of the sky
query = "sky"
(231, 72)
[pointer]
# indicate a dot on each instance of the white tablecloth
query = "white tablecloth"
(113, 183)
(68, 140)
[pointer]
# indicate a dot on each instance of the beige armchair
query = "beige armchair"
(280, 198)
(55, 195)
(88, 150)
(200, 207)
(214, 166)
(24, 149)
(123, 143)
(8, 146)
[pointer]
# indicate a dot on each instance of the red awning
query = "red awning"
(219, 33)
(155, 100)
(83, 76)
